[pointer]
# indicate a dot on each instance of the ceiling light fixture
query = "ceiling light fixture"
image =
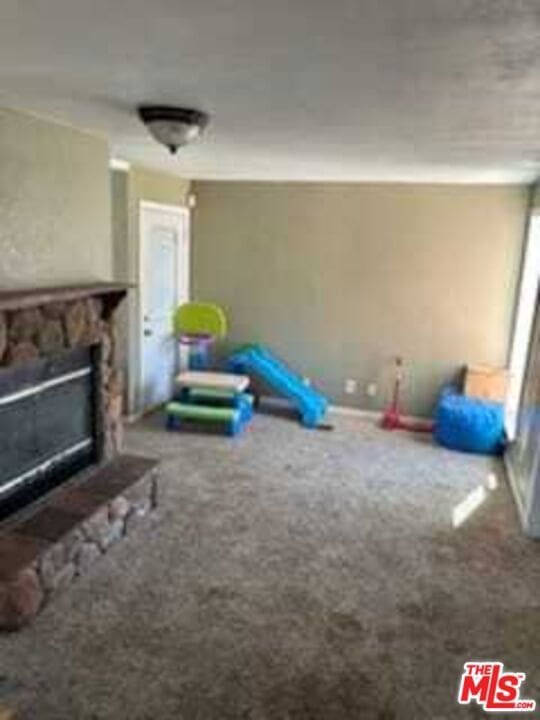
(173, 126)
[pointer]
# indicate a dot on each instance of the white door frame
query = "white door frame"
(527, 296)
(183, 270)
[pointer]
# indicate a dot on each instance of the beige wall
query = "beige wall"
(129, 189)
(159, 187)
(120, 223)
(54, 203)
(339, 278)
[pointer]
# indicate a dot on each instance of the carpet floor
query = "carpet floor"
(291, 575)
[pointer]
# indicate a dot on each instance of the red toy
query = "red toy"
(392, 419)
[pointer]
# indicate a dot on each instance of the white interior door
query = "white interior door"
(164, 285)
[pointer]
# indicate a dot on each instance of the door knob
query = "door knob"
(147, 333)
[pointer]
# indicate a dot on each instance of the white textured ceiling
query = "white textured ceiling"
(444, 90)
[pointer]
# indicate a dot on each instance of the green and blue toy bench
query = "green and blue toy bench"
(208, 398)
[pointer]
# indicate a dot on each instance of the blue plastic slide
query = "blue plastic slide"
(258, 360)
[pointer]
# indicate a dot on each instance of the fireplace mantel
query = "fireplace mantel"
(23, 298)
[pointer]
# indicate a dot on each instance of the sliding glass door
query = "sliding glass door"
(523, 456)
(528, 289)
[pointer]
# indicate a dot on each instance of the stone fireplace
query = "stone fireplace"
(60, 387)
(66, 492)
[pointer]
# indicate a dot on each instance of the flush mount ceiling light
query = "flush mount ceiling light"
(173, 126)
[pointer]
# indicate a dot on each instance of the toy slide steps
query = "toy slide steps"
(258, 360)
(232, 419)
(210, 398)
(202, 412)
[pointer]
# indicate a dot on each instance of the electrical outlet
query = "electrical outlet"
(350, 386)
(372, 389)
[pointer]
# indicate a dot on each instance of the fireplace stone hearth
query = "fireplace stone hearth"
(65, 490)
(42, 550)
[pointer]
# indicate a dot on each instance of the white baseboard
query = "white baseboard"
(275, 402)
(340, 410)
(346, 411)
(282, 404)
(132, 417)
(373, 415)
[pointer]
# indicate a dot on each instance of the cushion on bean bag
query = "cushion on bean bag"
(469, 424)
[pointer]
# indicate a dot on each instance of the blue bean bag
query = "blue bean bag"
(469, 424)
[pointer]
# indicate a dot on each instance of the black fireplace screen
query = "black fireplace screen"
(47, 424)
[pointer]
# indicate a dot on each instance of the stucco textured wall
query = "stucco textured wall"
(54, 203)
(338, 278)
